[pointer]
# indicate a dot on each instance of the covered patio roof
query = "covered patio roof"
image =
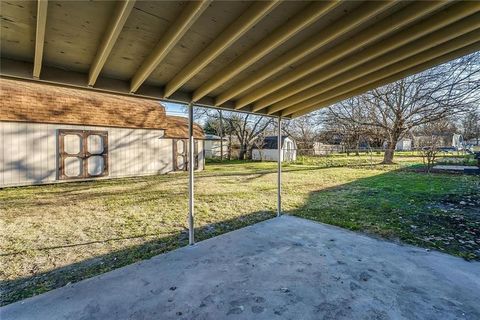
(277, 58)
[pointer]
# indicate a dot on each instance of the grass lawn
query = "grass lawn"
(56, 234)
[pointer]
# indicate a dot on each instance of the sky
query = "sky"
(175, 109)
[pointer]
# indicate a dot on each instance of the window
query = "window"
(180, 154)
(82, 154)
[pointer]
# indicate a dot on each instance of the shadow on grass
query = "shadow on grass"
(433, 211)
(21, 288)
(83, 190)
(437, 210)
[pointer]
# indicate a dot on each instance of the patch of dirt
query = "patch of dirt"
(454, 224)
(467, 204)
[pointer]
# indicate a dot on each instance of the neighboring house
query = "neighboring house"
(322, 149)
(213, 145)
(50, 134)
(269, 151)
(473, 142)
(404, 144)
(443, 140)
(457, 141)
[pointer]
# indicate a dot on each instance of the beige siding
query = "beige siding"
(28, 152)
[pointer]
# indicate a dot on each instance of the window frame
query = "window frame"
(83, 154)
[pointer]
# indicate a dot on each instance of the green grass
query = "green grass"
(55, 234)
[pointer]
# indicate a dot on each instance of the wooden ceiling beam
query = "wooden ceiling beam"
(42, 6)
(122, 11)
(232, 33)
(417, 69)
(21, 70)
(170, 38)
(331, 32)
(300, 21)
(268, 94)
(412, 61)
(346, 74)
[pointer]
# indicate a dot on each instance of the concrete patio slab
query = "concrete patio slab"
(284, 268)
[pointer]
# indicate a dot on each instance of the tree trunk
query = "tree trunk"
(389, 152)
(243, 152)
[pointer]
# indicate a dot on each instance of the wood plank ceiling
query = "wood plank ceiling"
(281, 58)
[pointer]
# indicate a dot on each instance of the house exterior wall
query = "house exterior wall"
(266, 155)
(404, 145)
(29, 155)
(212, 149)
(321, 149)
(473, 142)
(457, 141)
(443, 140)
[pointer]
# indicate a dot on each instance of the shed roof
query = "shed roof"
(282, 58)
(40, 103)
(213, 137)
(271, 142)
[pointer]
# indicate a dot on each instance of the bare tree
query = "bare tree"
(259, 144)
(244, 127)
(429, 152)
(247, 128)
(346, 120)
(399, 107)
(305, 130)
(471, 124)
(432, 140)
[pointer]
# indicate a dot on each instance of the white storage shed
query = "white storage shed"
(268, 151)
(50, 134)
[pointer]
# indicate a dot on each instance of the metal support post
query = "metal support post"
(191, 168)
(279, 171)
(221, 135)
